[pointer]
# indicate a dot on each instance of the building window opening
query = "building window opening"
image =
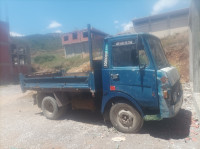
(22, 60)
(66, 38)
(74, 35)
(85, 34)
(15, 60)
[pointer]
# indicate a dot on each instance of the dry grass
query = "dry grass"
(177, 51)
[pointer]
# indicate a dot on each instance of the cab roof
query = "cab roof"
(129, 35)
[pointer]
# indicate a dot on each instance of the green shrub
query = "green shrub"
(40, 59)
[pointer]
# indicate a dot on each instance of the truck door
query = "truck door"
(132, 72)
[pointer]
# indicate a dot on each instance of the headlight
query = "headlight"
(165, 94)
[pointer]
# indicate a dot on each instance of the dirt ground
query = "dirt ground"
(22, 126)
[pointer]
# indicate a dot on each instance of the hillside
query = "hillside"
(177, 51)
(38, 42)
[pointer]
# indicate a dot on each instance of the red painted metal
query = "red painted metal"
(5, 60)
(4, 32)
(112, 88)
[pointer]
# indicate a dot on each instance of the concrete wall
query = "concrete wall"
(168, 32)
(76, 49)
(164, 24)
(194, 23)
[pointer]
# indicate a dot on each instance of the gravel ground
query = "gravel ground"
(23, 126)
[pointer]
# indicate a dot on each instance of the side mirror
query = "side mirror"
(143, 60)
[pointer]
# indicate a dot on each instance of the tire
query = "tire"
(125, 118)
(50, 108)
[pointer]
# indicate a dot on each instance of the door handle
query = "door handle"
(114, 76)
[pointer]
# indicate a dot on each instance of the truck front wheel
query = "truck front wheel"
(50, 108)
(125, 118)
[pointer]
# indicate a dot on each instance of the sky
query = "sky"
(28, 17)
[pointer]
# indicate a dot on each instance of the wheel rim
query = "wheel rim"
(48, 106)
(126, 118)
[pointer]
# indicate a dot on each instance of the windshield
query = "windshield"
(158, 53)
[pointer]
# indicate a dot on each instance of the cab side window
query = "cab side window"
(127, 54)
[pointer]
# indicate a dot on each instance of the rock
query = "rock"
(118, 139)
(194, 139)
(187, 139)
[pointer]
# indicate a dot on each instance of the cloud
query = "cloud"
(58, 31)
(54, 24)
(163, 4)
(14, 34)
(116, 22)
(127, 26)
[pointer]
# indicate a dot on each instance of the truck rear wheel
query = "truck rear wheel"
(50, 108)
(125, 118)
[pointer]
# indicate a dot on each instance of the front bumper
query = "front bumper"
(169, 109)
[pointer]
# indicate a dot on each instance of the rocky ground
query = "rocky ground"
(23, 126)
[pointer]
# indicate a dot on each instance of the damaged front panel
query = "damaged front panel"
(171, 105)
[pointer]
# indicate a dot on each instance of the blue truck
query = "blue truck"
(133, 82)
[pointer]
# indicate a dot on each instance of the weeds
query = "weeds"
(56, 61)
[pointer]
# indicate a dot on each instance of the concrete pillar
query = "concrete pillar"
(190, 50)
(194, 23)
(195, 44)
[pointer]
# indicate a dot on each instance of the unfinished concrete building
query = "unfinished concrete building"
(21, 61)
(76, 43)
(163, 24)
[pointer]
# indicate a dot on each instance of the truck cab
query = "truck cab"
(136, 73)
(132, 82)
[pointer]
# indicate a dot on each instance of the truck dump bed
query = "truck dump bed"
(58, 82)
